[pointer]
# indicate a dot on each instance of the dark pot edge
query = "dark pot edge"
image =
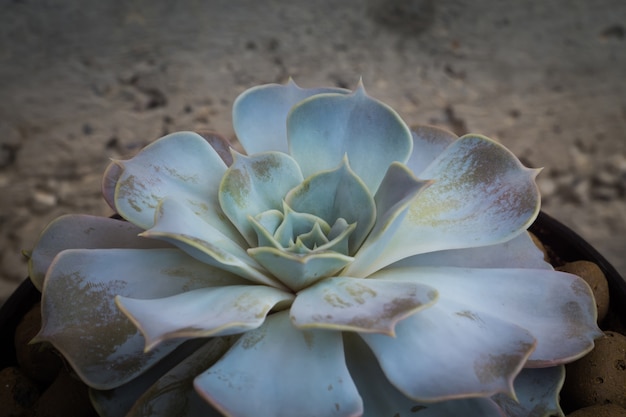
(564, 240)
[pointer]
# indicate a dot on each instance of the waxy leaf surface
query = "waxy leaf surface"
(101, 344)
(323, 129)
(309, 377)
(203, 312)
(361, 305)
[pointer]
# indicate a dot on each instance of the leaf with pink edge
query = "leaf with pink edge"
(360, 305)
(80, 317)
(380, 398)
(557, 308)
(425, 362)
(182, 166)
(307, 370)
(481, 195)
(203, 312)
(393, 199)
(80, 231)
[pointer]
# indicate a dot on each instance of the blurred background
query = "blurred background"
(82, 81)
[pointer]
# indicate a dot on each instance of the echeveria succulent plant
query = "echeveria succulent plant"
(342, 266)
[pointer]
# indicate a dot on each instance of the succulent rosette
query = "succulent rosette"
(343, 266)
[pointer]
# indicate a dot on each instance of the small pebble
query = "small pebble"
(593, 276)
(600, 376)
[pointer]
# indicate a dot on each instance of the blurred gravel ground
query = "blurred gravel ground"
(82, 81)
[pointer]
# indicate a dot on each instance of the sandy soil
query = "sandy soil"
(82, 81)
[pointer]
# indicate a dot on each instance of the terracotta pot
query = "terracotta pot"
(562, 244)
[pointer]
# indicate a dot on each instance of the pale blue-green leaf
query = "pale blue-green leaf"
(447, 352)
(255, 184)
(360, 305)
(380, 398)
(334, 194)
(114, 170)
(313, 239)
(260, 114)
(204, 312)
(81, 231)
(295, 224)
(324, 128)
(182, 166)
(397, 191)
(298, 271)
(265, 224)
(519, 252)
(537, 393)
(557, 308)
(428, 143)
(80, 318)
(339, 236)
(174, 394)
(481, 195)
(284, 372)
(177, 224)
(118, 401)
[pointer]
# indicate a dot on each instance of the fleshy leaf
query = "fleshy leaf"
(519, 252)
(481, 195)
(255, 184)
(298, 271)
(265, 224)
(537, 393)
(118, 401)
(219, 143)
(182, 166)
(555, 307)
(177, 224)
(309, 376)
(324, 128)
(361, 305)
(397, 191)
(204, 312)
(428, 143)
(295, 224)
(336, 194)
(446, 352)
(80, 317)
(111, 176)
(83, 232)
(174, 394)
(260, 114)
(380, 398)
